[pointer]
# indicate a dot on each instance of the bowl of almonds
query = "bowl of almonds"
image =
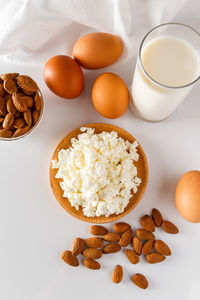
(21, 106)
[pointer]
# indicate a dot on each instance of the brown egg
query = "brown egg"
(97, 50)
(188, 196)
(110, 95)
(63, 76)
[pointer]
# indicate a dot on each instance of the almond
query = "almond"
(1, 119)
(78, 246)
(10, 86)
(18, 114)
(10, 107)
(126, 238)
(27, 83)
(92, 253)
(28, 117)
(148, 247)
(154, 258)
(91, 264)
(111, 248)
(144, 234)
(19, 102)
(69, 258)
(3, 110)
(121, 227)
(157, 217)
(18, 123)
(27, 92)
(147, 223)
(162, 248)
(9, 76)
(137, 245)
(35, 116)
(2, 91)
(98, 230)
(5, 133)
(132, 256)
(21, 131)
(111, 237)
(117, 274)
(38, 102)
(94, 242)
(169, 227)
(8, 121)
(28, 100)
(140, 280)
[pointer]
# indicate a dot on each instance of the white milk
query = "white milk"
(169, 61)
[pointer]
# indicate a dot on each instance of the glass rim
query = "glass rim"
(140, 58)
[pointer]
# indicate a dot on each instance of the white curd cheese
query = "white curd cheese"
(98, 172)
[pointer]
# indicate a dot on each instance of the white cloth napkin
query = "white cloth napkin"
(34, 30)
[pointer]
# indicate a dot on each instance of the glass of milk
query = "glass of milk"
(167, 68)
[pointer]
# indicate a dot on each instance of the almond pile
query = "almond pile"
(20, 104)
(143, 242)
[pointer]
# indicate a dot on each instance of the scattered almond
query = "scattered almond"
(121, 227)
(157, 217)
(147, 223)
(28, 117)
(154, 258)
(92, 253)
(140, 280)
(10, 86)
(1, 119)
(78, 246)
(98, 230)
(144, 234)
(169, 227)
(117, 274)
(10, 107)
(162, 248)
(111, 237)
(126, 238)
(94, 242)
(148, 247)
(137, 245)
(27, 83)
(8, 121)
(91, 264)
(5, 133)
(132, 256)
(111, 248)
(69, 258)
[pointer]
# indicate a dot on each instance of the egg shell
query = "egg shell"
(110, 95)
(97, 50)
(64, 76)
(188, 196)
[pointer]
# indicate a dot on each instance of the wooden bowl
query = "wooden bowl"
(141, 165)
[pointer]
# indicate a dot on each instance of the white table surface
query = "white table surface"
(34, 229)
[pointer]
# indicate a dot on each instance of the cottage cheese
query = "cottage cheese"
(98, 172)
